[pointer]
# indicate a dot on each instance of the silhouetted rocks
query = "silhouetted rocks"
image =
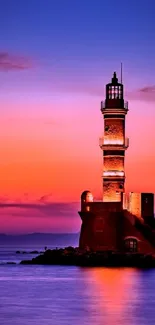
(11, 263)
(73, 256)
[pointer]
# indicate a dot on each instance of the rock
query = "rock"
(26, 262)
(73, 256)
(32, 252)
(11, 263)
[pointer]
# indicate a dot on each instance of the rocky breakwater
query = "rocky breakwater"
(73, 256)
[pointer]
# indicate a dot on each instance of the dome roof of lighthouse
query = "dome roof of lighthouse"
(87, 196)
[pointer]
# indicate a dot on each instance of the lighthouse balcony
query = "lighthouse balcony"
(113, 173)
(114, 106)
(113, 144)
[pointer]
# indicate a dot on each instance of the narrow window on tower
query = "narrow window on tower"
(109, 92)
(113, 92)
(116, 93)
(106, 128)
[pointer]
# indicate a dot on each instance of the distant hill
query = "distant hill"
(39, 234)
(42, 239)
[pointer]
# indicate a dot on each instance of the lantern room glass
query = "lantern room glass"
(115, 92)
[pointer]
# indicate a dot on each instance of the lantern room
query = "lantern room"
(114, 94)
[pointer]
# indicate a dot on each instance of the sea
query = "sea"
(68, 295)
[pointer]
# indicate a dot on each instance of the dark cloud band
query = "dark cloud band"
(10, 62)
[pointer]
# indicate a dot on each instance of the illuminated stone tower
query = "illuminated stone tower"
(114, 143)
(119, 222)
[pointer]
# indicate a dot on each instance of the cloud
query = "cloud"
(22, 216)
(9, 62)
(146, 93)
(45, 198)
(51, 209)
(148, 90)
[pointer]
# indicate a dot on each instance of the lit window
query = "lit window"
(89, 197)
(131, 245)
(113, 173)
(113, 142)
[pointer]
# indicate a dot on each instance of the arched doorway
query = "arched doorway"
(131, 244)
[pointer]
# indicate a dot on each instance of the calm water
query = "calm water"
(57, 295)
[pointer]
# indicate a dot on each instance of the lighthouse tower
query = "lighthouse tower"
(114, 223)
(113, 143)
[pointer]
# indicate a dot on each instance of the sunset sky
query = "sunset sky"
(55, 58)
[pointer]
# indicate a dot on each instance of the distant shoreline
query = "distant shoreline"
(50, 240)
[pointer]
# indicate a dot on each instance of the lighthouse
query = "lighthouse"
(119, 221)
(114, 143)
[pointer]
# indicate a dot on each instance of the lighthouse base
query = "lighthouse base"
(108, 226)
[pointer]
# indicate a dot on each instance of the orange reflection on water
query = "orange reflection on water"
(113, 291)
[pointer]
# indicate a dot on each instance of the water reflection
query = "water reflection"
(61, 295)
(113, 293)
